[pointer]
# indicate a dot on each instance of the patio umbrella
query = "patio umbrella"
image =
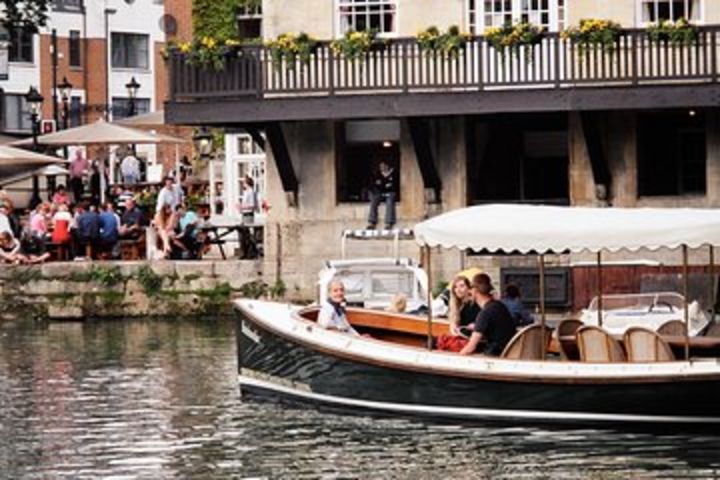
(16, 160)
(101, 133)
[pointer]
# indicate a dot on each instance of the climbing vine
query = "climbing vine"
(217, 18)
(30, 14)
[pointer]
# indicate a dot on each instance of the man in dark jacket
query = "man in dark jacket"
(384, 188)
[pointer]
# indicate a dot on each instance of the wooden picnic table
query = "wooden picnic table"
(246, 237)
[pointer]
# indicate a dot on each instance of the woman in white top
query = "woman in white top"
(249, 200)
(332, 312)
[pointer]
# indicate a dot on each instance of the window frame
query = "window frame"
(700, 20)
(16, 35)
(115, 105)
(75, 45)
(247, 13)
(23, 113)
(125, 51)
(353, 3)
(476, 9)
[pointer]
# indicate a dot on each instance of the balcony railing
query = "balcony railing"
(402, 67)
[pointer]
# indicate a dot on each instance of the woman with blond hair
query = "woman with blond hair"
(462, 307)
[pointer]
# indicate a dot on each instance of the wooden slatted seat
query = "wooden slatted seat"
(644, 345)
(598, 346)
(527, 344)
(568, 348)
(672, 327)
(713, 330)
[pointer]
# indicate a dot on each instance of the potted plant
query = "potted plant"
(292, 48)
(450, 43)
(680, 32)
(592, 32)
(514, 37)
(354, 45)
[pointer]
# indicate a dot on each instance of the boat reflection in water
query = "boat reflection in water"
(632, 378)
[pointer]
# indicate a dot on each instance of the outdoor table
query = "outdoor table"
(245, 232)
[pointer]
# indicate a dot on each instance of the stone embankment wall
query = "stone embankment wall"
(72, 290)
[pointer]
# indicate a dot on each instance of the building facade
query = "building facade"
(101, 46)
(630, 125)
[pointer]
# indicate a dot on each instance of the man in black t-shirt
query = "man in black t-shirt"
(494, 323)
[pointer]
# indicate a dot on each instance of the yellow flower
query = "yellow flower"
(185, 47)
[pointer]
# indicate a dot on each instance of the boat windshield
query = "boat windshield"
(641, 303)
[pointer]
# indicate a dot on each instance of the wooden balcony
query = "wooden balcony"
(400, 79)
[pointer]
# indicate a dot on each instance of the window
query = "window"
(74, 48)
(249, 21)
(671, 148)
(361, 145)
(75, 111)
(68, 5)
(21, 45)
(496, 13)
(17, 114)
(130, 50)
(655, 10)
(519, 158)
(359, 15)
(121, 107)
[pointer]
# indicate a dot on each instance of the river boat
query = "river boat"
(282, 351)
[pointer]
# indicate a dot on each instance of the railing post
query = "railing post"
(558, 46)
(331, 70)
(635, 40)
(406, 82)
(259, 72)
(713, 55)
(172, 74)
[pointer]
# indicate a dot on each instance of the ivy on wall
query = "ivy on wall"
(30, 14)
(217, 18)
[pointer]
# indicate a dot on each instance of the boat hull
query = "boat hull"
(272, 362)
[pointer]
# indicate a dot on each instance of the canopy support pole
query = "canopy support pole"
(713, 287)
(599, 289)
(541, 269)
(686, 313)
(428, 269)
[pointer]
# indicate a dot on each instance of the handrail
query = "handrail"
(401, 66)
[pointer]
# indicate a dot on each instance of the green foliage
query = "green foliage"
(150, 281)
(254, 289)
(681, 32)
(278, 289)
(513, 37)
(594, 32)
(355, 45)
(107, 276)
(218, 294)
(215, 18)
(432, 42)
(291, 48)
(29, 14)
(440, 286)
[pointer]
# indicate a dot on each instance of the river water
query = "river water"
(159, 399)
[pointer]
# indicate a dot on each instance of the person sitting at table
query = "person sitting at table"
(187, 231)
(109, 224)
(61, 222)
(170, 194)
(87, 227)
(61, 197)
(131, 221)
(494, 324)
(39, 221)
(9, 248)
(165, 223)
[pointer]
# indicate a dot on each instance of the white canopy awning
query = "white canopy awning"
(526, 228)
(101, 132)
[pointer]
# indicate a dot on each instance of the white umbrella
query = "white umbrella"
(15, 160)
(101, 133)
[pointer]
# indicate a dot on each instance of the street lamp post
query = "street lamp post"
(34, 100)
(65, 90)
(132, 88)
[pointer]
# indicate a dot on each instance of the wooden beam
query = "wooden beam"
(243, 110)
(257, 137)
(596, 151)
(280, 152)
(420, 133)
